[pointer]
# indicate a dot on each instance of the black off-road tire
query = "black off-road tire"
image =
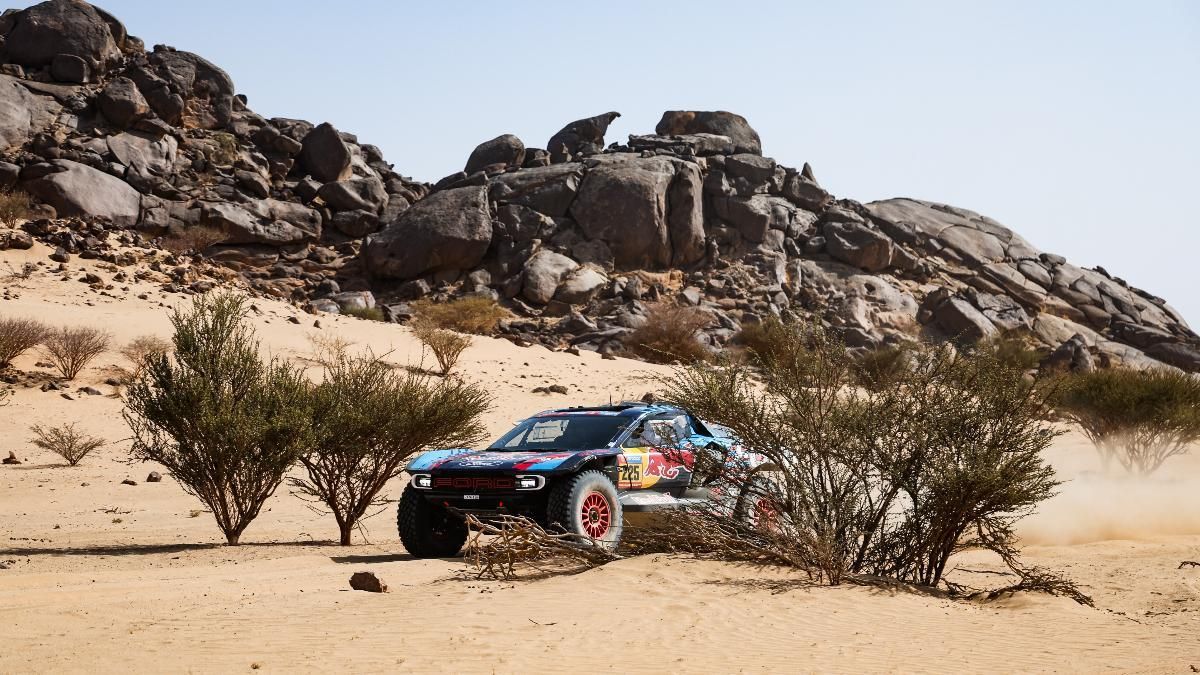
(426, 529)
(587, 504)
(754, 503)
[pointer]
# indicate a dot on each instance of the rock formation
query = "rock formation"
(159, 142)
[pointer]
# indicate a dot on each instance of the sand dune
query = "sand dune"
(108, 577)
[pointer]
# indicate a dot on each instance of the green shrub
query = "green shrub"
(65, 441)
(670, 334)
(881, 367)
(1014, 349)
(368, 420)
(446, 345)
(1140, 418)
(225, 422)
(474, 314)
(888, 481)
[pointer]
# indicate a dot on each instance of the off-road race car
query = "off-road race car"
(579, 470)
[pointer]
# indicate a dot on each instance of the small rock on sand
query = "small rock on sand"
(367, 581)
(154, 477)
(129, 481)
(12, 458)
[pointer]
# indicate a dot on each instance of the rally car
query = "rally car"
(578, 470)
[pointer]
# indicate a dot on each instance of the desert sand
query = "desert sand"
(100, 576)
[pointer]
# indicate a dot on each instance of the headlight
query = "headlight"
(422, 481)
(531, 482)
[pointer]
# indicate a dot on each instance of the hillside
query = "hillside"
(124, 145)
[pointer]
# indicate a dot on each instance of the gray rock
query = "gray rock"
(625, 206)
(45, 30)
(548, 190)
(354, 300)
(22, 114)
(265, 221)
(719, 122)
(75, 189)
(325, 155)
(154, 477)
(859, 245)
(366, 194)
(122, 103)
(581, 285)
(1070, 356)
(544, 271)
(448, 230)
(70, 69)
(145, 153)
(253, 183)
(581, 137)
(700, 145)
(356, 224)
(755, 169)
(960, 320)
(685, 216)
(507, 150)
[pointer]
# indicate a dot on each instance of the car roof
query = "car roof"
(627, 409)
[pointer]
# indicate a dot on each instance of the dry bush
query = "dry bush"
(141, 350)
(15, 205)
(365, 313)
(328, 348)
(368, 420)
(22, 274)
(192, 239)
(1140, 418)
(1014, 349)
(18, 336)
(65, 441)
(888, 481)
(474, 314)
(446, 345)
(227, 423)
(516, 542)
(71, 349)
(881, 367)
(669, 335)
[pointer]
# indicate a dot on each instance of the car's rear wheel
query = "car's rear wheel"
(428, 530)
(756, 504)
(586, 504)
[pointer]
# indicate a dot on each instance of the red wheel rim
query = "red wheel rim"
(764, 514)
(595, 515)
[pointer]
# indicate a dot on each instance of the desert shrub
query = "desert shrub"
(328, 348)
(366, 313)
(368, 420)
(141, 350)
(18, 336)
(226, 422)
(65, 441)
(881, 367)
(762, 338)
(224, 151)
(889, 481)
(475, 314)
(1013, 349)
(14, 206)
(446, 345)
(1138, 418)
(192, 239)
(71, 349)
(670, 334)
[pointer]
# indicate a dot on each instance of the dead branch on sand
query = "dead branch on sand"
(521, 542)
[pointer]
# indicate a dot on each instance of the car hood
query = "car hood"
(460, 459)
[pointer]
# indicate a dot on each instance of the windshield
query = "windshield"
(564, 432)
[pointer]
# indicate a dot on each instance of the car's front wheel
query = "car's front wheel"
(586, 504)
(427, 529)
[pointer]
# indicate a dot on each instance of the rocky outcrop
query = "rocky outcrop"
(577, 239)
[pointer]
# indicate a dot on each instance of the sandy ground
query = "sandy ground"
(100, 576)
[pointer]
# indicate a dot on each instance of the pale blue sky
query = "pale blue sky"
(1075, 123)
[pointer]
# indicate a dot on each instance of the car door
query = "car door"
(657, 455)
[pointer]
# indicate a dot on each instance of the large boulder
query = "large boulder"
(545, 189)
(325, 155)
(581, 285)
(960, 320)
(75, 189)
(858, 244)
(122, 102)
(22, 113)
(205, 90)
(264, 221)
(144, 152)
(507, 150)
(719, 122)
(544, 271)
(365, 194)
(685, 215)
(581, 137)
(45, 30)
(625, 206)
(448, 230)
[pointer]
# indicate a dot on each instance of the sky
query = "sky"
(1075, 123)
